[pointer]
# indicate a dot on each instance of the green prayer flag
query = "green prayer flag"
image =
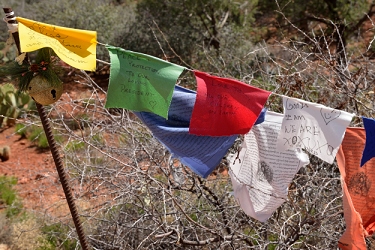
(140, 82)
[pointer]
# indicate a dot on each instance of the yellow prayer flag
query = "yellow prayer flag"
(75, 47)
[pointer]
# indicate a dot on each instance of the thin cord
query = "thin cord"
(13, 27)
(10, 20)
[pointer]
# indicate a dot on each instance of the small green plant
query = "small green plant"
(38, 136)
(8, 196)
(81, 121)
(88, 102)
(74, 145)
(54, 237)
(13, 103)
(97, 139)
(35, 134)
(21, 129)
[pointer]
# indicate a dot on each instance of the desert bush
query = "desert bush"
(35, 134)
(8, 196)
(131, 194)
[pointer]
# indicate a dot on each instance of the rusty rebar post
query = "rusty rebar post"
(62, 175)
(56, 156)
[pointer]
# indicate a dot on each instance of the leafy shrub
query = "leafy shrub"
(53, 238)
(35, 134)
(8, 196)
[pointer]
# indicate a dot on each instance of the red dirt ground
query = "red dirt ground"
(38, 182)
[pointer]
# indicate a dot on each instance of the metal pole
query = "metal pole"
(56, 156)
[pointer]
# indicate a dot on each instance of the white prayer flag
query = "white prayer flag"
(261, 174)
(314, 127)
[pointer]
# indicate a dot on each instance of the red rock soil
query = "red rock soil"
(38, 182)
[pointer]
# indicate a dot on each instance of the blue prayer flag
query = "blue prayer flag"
(369, 150)
(200, 153)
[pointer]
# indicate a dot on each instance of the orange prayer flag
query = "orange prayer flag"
(358, 186)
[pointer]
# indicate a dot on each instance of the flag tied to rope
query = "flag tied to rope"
(260, 174)
(75, 47)
(225, 106)
(358, 184)
(140, 82)
(201, 154)
(369, 150)
(314, 127)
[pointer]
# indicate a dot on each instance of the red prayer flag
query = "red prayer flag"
(225, 106)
